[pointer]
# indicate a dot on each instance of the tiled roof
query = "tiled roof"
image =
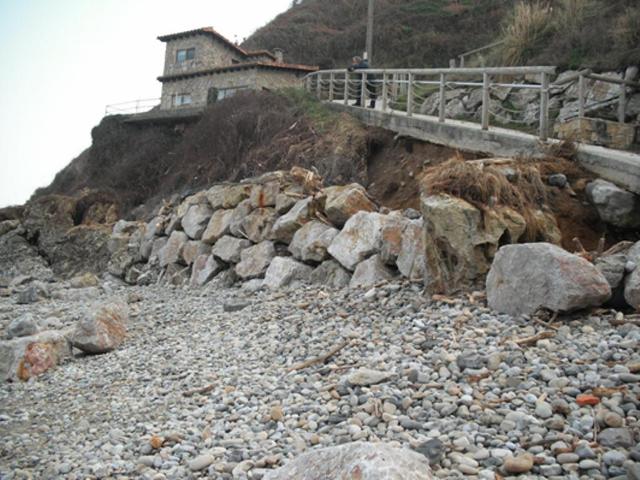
(238, 66)
(203, 31)
(256, 53)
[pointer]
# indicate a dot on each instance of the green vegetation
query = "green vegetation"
(317, 112)
(601, 34)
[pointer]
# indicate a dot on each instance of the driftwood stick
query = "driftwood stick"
(322, 358)
(205, 389)
(532, 340)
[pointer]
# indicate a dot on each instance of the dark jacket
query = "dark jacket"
(359, 66)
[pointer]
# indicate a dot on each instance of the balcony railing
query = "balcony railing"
(133, 107)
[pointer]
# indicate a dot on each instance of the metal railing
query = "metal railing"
(401, 90)
(132, 107)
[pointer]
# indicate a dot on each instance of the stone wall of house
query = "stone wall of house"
(273, 79)
(209, 54)
(253, 78)
(198, 87)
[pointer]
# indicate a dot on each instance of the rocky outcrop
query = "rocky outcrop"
(101, 330)
(359, 460)
(615, 206)
(63, 233)
(525, 278)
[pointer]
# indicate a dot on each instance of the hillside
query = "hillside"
(142, 164)
(603, 34)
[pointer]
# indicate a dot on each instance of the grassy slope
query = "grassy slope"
(412, 33)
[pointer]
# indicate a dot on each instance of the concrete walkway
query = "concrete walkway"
(619, 167)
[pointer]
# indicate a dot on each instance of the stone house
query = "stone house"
(202, 66)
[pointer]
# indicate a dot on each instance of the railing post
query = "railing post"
(622, 103)
(319, 86)
(394, 86)
(485, 101)
(363, 90)
(308, 83)
(581, 96)
(385, 93)
(331, 80)
(346, 87)
(544, 107)
(410, 94)
(443, 98)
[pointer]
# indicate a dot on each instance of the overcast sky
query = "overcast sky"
(63, 60)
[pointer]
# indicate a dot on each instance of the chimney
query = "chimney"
(279, 54)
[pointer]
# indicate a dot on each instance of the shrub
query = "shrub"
(525, 32)
(626, 34)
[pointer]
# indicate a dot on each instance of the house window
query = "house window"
(182, 99)
(185, 54)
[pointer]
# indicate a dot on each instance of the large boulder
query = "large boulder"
(360, 238)
(257, 225)
(310, 243)
(101, 330)
(264, 194)
(287, 225)
(331, 274)
(228, 248)
(371, 272)
(153, 230)
(193, 249)
(392, 234)
(205, 267)
(23, 326)
(356, 461)
(26, 357)
(632, 282)
(527, 277)
(255, 260)
(411, 259)
(171, 252)
(236, 221)
(342, 202)
(461, 241)
(227, 195)
(218, 226)
(284, 271)
(615, 206)
(125, 246)
(196, 219)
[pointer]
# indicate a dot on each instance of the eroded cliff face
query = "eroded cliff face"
(250, 134)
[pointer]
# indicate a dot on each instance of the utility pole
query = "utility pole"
(369, 52)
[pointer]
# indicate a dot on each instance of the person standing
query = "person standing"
(358, 63)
